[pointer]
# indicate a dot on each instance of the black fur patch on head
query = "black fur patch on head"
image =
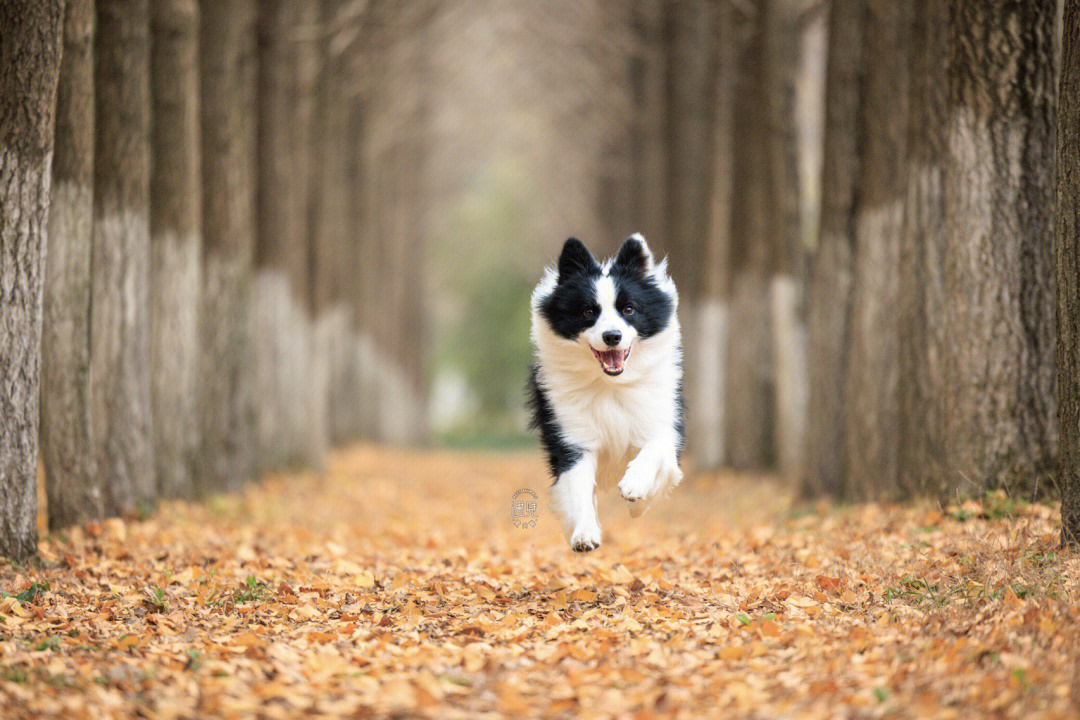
(576, 258)
(561, 455)
(637, 289)
(571, 307)
(633, 255)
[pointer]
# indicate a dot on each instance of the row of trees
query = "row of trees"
(223, 291)
(900, 339)
(716, 145)
(858, 198)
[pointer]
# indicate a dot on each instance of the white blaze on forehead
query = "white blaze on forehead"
(610, 318)
(605, 292)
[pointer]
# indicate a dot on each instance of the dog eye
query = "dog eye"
(628, 310)
(589, 312)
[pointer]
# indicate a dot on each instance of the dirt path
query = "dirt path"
(396, 584)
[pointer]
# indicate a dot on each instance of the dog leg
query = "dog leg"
(574, 498)
(654, 470)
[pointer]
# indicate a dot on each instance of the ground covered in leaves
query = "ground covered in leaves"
(397, 584)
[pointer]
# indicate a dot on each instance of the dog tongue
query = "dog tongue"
(612, 359)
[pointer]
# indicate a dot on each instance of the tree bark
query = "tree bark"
(831, 265)
(73, 488)
(334, 261)
(359, 214)
(648, 88)
(690, 79)
(30, 49)
(393, 164)
(282, 193)
(329, 220)
(1067, 247)
(787, 290)
(227, 64)
(750, 383)
(175, 244)
(289, 428)
(691, 72)
(119, 362)
(871, 377)
(921, 293)
(997, 395)
(708, 402)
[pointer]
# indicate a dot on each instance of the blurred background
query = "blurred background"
(286, 225)
(542, 121)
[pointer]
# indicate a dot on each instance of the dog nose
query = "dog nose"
(612, 337)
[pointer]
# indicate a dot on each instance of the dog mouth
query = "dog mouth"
(612, 362)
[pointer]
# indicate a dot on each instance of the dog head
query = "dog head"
(609, 309)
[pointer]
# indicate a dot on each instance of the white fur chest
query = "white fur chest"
(612, 417)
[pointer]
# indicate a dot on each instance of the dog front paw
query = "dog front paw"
(639, 483)
(585, 540)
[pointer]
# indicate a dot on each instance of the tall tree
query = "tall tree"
(119, 327)
(996, 395)
(30, 51)
(787, 315)
(227, 65)
(871, 371)
(690, 73)
(707, 432)
(333, 259)
(692, 65)
(73, 488)
(175, 243)
(287, 429)
(312, 402)
(1067, 251)
(394, 179)
(750, 386)
(831, 264)
(921, 292)
(356, 287)
(648, 90)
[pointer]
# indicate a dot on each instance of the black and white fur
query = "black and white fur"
(606, 389)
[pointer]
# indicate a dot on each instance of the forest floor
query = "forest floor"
(397, 584)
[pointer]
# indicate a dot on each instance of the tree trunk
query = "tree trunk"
(30, 51)
(871, 377)
(787, 306)
(749, 427)
(72, 486)
(691, 81)
(1067, 245)
(359, 213)
(921, 293)
(333, 261)
(288, 431)
(175, 244)
(648, 88)
(832, 263)
(119, 362)
(997, 393)
(227, 64)
(708, 401)
(393, 165)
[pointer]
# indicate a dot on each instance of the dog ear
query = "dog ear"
(575, 258)
(635, 255)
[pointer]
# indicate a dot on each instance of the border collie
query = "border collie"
(606, 388)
